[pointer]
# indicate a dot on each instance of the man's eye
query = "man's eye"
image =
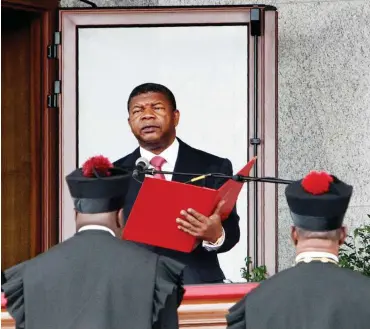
(158, 108)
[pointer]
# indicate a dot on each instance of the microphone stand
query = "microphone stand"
(237, 178)
(273, 180)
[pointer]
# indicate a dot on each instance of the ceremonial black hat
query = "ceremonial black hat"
(98, 186)
(318, 202)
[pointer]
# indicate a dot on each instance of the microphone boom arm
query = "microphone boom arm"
(238, 178)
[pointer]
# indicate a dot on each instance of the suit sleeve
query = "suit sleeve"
(230, 224)
(13, 291)
(168, 293)
(236, 317)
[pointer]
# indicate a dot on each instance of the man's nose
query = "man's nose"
(148, 113)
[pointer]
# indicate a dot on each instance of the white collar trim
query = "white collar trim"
(316, 254)
(96, 227)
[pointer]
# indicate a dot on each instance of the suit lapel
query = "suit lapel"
(187, 162)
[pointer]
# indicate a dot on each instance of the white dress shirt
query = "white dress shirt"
(96, 227)
(170, 155)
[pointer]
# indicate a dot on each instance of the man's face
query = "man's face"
(152, 119)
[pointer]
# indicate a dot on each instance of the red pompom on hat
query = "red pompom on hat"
(317, 182)
(98, 164)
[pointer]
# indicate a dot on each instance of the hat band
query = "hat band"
(97, 206)
(317, 224)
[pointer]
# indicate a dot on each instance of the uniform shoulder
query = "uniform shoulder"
(355, 276)
(134, 248)
(52, 253)
(270, 284)
(351, 279)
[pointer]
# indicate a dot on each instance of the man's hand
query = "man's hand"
(202, 227)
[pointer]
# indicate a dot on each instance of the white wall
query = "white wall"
(207, 70)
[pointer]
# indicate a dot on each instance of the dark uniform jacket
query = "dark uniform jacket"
(95, 281)
(308, 296)
(202, 265)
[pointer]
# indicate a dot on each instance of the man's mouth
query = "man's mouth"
(149, 129)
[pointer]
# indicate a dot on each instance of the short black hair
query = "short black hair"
(150, 87)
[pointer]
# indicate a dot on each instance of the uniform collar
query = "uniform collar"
(96, 227)
(169, 154)
(309, 256)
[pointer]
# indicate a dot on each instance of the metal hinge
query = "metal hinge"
(52, 50)
(52, 100)
(255, 141)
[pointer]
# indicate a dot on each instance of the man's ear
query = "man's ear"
(294, 235)
(176, 115)
(120, 218)
(343, 235)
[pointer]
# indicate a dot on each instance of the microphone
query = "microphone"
(141, 165)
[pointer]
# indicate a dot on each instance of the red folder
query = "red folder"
(153, 217)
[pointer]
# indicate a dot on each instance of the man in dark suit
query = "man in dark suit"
(153, 117)
(315, 293)
(94, 280)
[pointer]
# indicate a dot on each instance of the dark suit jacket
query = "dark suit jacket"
(94, 281)
(307, 296)
(202, 265)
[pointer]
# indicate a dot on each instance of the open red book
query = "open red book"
(153, 217)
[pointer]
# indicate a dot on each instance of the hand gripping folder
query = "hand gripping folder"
(152, 219)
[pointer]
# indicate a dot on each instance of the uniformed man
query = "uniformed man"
(315, 293)
(94, 280)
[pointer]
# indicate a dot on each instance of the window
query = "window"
(225, 82)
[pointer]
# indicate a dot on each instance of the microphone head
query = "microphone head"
(142, 162)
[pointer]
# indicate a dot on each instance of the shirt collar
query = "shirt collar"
(316, 254)
(96, 227)
(169, 154)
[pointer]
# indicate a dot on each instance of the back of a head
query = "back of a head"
(332, 235)
(150, 87)
(318, 203)
(98, 190)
